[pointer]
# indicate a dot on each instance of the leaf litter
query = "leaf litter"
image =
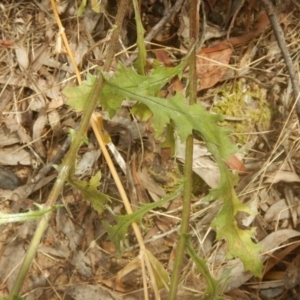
(35, 122)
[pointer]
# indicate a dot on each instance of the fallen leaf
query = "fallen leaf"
(284, 176)
(262, 23)
(10, 264)
(135, 264)
(37, 130)
(7, 137)
(292, 274)
(203, 165)
(22, 57)
(236, 164)
(212, 66)
(88, 291)
(13, 156)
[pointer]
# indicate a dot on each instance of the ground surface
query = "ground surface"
(76, 258)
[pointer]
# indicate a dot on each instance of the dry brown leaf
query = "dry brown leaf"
(47, 85)
(262, 23)
(234, 163)
(7, 137)
(79, 49)
(293, 202)
(54, 122)
(22, 57)
(283, 176)
(13, 125)
(37, 130)
(211, 67)
(292, 274)
(87, 161)
(153, 188)
(135, 264)
(88, 291)
(163, 56)
(58, 250)
(12, 156)
(203, 166)
(66, 226)
(279, 211)
(238, 294)
(82, 263)
(14, 80)
(276, 238)
(279, 256)
(10, 264)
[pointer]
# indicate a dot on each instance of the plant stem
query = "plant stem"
(141, 60)
(187, 194)
(71, 155)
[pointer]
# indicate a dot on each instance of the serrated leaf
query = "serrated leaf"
(130, 81)
(78, 96)
(28, 216)
(117, 232)
(188, 119)
(127, 83)
(170, 140)
(239, 240)
(142, 111)
(90, 192)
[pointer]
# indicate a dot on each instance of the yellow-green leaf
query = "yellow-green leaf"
(90, 192)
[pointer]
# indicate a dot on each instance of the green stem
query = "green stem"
(188, 170)
(71, 155)
(141, 60)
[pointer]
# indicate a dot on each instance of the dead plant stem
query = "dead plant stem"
(279, 34)
(136, 229)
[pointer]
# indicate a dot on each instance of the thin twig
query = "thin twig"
(59, 155)
(143, 255)
(279, 34)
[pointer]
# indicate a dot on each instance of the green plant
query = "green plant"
(186, 117)
(127, 84)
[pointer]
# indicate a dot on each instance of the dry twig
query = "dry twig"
(270, 10)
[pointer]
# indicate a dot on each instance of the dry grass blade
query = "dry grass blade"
(143, 257)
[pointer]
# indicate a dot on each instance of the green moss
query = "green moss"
(168, 179)
(199, 185)
(247, 105)
(167, 174)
